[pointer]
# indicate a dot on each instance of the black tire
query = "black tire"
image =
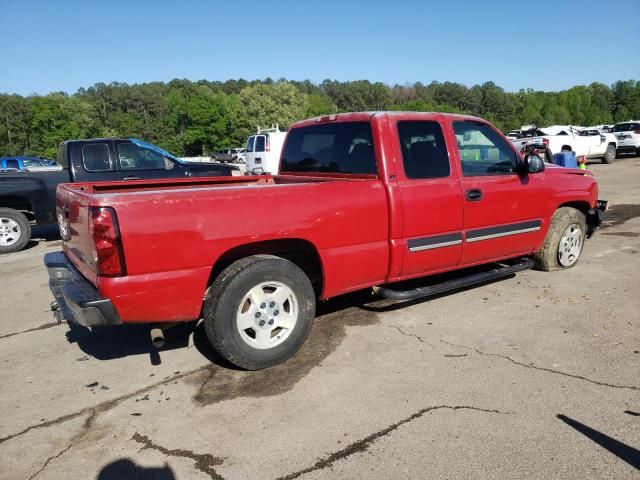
(222, 305)
(548, 257)
(609, 154)
(9, 218)
(566, 148)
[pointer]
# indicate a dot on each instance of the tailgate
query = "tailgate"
(72, 212)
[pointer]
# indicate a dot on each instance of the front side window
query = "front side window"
(250, 143)
(344, 147)
(95, 158)
(482, 151)
(133, 157)
(424, 152)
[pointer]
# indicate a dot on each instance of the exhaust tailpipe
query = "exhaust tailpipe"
(157, 337)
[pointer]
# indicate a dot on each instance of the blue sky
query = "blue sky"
(64, 45)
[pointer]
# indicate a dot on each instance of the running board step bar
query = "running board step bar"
(456, 284)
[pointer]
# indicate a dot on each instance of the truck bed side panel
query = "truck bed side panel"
(172, 239)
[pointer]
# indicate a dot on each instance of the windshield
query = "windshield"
(344, 147)
(36, 162)
(626, 127)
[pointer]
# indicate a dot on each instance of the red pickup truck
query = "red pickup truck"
(363, 200)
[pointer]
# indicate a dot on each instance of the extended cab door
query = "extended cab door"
(431, 198)
(93, 161)
(502, 210)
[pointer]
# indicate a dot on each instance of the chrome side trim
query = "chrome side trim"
(435, 245)
(502, 234)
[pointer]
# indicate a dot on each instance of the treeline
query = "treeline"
(195, 118)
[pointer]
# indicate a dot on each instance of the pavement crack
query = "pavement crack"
(204, 462)
(544, 369)
(364, 443)
(101, 407)
(86, 426)
(35, 329)
(407, 334)
(49, 460)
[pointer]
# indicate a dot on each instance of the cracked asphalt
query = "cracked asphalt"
(536, 376)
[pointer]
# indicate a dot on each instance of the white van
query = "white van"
(263, 151)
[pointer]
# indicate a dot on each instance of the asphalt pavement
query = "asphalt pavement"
(532, 377)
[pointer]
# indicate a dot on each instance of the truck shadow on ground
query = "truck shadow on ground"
(126, 469)
(46, 233)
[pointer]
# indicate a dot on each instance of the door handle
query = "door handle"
(474, 195)
(131, 178)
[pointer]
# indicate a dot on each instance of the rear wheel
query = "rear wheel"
(15, 230)
(609, 154)
(564, 241)
(259, 311)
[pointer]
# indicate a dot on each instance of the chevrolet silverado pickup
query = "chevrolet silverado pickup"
(362, 200)
(28, 196)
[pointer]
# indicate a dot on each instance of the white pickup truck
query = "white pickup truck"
(588, 142)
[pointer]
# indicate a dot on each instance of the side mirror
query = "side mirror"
(168, 164)
(533, 164)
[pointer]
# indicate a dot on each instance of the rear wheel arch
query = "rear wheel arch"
(298, 251)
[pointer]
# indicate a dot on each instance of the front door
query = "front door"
(502, 209)
(431, 199)
(138, 163)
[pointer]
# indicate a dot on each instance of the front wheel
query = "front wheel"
(564, 241)
(15, 230)
(259, 311)
(609, 154)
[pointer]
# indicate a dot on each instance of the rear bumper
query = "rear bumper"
(78, 301)
(595, 217)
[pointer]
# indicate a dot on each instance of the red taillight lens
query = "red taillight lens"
(545, 141)
(107, 247)
(268, 147)
(637, 131)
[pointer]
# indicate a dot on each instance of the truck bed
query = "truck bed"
(174, 231)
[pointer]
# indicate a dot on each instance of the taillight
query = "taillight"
(268, 147)
(545, 141)
(107, 246)
(637, 131)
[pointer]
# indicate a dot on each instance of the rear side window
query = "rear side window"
(345, 147)
(259, 146)
(424, 152)
(626, 127)
(95, 157)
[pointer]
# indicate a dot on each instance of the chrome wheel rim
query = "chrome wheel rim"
(267, 315)
(10, 231)
(570, 245)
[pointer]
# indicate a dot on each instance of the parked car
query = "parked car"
(25, 163)
(263, 151)
(239, 155)
(27, 196)
(223, 156)
(588, 143)
(628, 136)
(362, 200)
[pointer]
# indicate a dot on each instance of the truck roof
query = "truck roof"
(366, 116)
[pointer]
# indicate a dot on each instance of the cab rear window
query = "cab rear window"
(626, 127)
(345, 147)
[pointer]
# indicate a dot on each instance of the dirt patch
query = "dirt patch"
(619, 214)
(217, 383)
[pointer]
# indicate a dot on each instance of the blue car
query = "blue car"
(24, 163)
